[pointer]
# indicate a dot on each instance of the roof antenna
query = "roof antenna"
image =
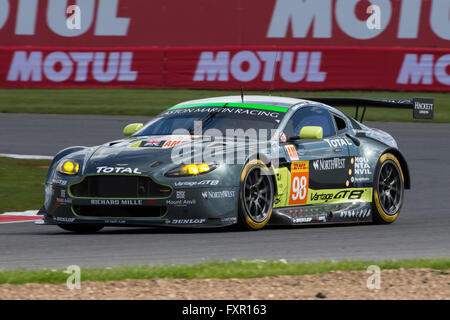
(242, 95)
(272, 84)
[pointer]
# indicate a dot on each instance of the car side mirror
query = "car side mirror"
(310, 132)
(132, 129)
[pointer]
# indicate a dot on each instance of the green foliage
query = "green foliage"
(218, 270)
(148, 102)
(22, 184)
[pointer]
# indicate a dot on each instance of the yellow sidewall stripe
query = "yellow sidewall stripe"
(252, 224)
(383, 215)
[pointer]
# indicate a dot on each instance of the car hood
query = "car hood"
(147, 153)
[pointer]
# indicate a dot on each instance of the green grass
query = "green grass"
(22, 184)
(148, 102)
(218, 270)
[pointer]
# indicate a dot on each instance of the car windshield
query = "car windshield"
(219, 118)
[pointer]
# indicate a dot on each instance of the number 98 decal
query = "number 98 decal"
(299, 182)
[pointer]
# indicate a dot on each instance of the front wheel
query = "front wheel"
(255, 196)
(388, 189)
(81, 228)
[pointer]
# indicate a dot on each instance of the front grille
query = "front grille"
(120, 211)
(119, 186)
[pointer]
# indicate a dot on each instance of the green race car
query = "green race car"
(249, 161)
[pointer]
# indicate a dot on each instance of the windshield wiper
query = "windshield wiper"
(207, 119)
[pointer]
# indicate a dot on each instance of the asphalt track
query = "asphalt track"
(423, 229)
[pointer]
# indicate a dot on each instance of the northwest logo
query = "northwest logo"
(336, 163)
(218, 194)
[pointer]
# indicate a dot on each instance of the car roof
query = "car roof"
(264, 100)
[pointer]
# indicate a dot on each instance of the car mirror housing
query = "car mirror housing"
(132, 129)
(311, 132)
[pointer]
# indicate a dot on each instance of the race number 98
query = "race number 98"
(299, 190)
(299, 182)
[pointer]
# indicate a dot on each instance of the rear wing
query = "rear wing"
(423, 108)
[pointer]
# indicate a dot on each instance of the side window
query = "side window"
(310, 116)
(355, 124)
(340, 123)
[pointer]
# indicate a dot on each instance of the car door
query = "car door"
(316, 165)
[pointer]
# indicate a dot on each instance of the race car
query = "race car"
(250, 161)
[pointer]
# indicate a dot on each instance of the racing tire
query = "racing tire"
(81, 228)
(256, 196)
(388, 189)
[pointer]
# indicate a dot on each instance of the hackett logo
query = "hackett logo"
(423, 106)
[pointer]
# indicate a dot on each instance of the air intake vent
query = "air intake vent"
(120, 211)
(119, 186)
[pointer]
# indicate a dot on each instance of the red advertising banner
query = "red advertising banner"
(296, 68)
(107, 23)
(256, 44)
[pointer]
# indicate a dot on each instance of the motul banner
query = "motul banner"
(287, 67)
(107, 23)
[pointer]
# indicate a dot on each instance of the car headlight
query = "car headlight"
(69, 167)
(192, 169)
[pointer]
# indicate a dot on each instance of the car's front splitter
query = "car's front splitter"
(194, 207)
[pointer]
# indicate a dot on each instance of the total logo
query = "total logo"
(121, 170)
(340, 142)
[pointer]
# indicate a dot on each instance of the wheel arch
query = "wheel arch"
(268, 163)
(244, 218)
(404, 165)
